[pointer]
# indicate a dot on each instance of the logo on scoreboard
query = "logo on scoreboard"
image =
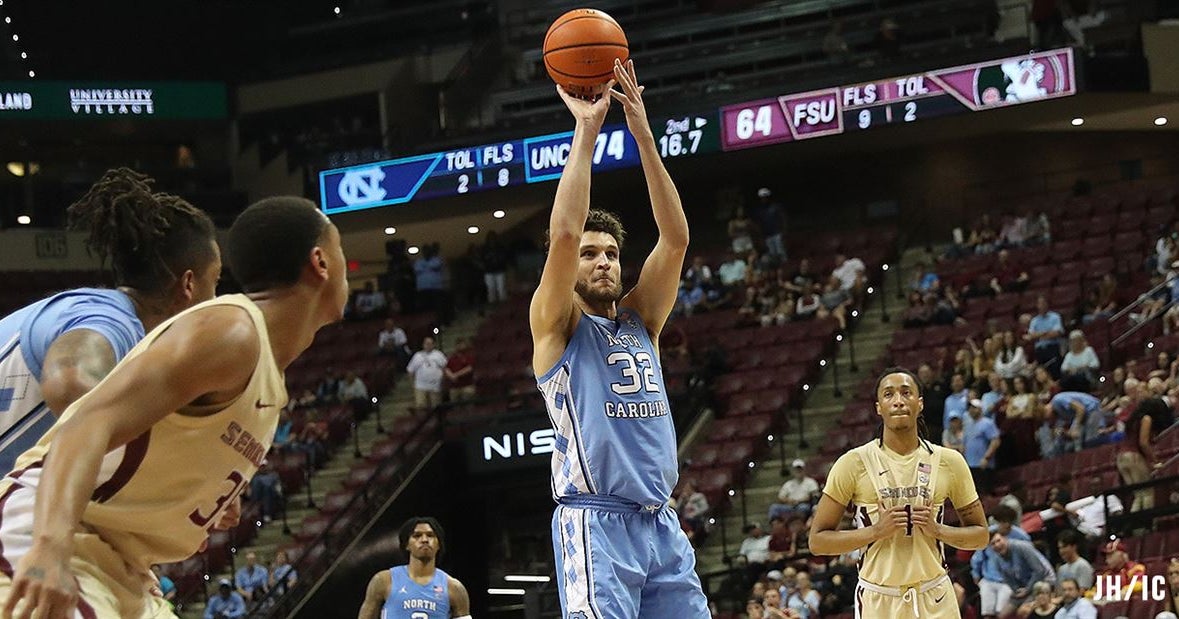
(16, 101)
(362, 186)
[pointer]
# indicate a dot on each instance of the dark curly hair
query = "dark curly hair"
(147, 239)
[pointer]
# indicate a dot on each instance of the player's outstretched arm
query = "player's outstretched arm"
(75, 362)
(552, 304)
(210, 354)
(654, 295)
(460, 601)
(375, 595)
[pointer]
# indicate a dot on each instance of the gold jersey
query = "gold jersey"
(157, 497)
(872, 474)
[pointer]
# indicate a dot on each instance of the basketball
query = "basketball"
(580, 49)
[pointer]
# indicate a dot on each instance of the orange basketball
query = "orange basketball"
(580, 48)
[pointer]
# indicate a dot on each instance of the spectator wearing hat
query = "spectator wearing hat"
(227, 604)
(1073, 604)
(980, 440)
(1080, 361)
(772, 218)
(1119, 564)
(953, 437)
(797, 495)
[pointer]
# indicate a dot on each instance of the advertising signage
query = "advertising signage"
(37, 100)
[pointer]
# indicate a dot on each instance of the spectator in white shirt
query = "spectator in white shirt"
(756, 547)
(796, 495)
(732, 271)
(1080, 360)
(392, 341)
(850, 271)
(427, 367)
(1011, 360)
(352, 388)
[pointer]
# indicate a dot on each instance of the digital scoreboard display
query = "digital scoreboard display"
(906, 99)
(785, 118)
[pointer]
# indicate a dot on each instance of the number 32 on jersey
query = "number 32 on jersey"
(638, 372)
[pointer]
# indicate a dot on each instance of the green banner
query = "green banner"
(36, 100)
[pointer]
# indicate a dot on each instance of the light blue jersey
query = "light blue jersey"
(25, 338)
(409, 600)
(608, 404)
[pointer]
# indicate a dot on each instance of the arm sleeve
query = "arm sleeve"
(962, 490)
(976, 561)
(1084, 574)
(841, 480)
(414, 363)
(96, 311)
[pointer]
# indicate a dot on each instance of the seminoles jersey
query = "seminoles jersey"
(872, 474)
(156, 497)
(25, 338)
(608, 404)
(409, 600)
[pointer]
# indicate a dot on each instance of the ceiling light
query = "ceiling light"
(498, 214)
(336, 10)
(525, 578)
(1077, 122)
(390, 230)
(24, 56)
(413, 251)
(24, 220)
(32, 73)
(472, 229)
(494, 591)
(1160, 121)
(8, 20)
(15, 37)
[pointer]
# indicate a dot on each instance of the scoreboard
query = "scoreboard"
(785, 118)
(503, 164)
(906, 99)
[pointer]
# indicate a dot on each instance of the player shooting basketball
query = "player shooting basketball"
(596, 359)
(898, 485)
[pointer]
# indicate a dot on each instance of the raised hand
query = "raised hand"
(631, 98)
(590, 112)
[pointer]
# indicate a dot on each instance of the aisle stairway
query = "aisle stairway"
(821, 412)
(331, 478)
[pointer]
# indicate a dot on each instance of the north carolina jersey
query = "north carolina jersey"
(872, 474)
(409, 600)
(25, 338)
(607, 402)
(156, 497)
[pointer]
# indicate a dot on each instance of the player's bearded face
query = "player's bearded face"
(599, 273)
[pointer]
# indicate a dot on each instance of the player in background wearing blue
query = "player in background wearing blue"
(164, 255)
(418, 590)
(619, 548)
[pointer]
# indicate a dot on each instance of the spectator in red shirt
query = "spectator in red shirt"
(460, 372)
(1009, 276)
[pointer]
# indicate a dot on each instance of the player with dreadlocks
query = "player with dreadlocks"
(165, 259)
(898, 484)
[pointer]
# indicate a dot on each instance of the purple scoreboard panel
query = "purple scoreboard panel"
(956, 90)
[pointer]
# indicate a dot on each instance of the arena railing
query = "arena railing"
(370, 500)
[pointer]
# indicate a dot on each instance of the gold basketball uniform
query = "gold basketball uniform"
(157, 497)
(902, 576)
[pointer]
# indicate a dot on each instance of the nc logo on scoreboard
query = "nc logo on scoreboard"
(362, 186)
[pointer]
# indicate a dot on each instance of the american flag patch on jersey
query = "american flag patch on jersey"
(923, 467)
